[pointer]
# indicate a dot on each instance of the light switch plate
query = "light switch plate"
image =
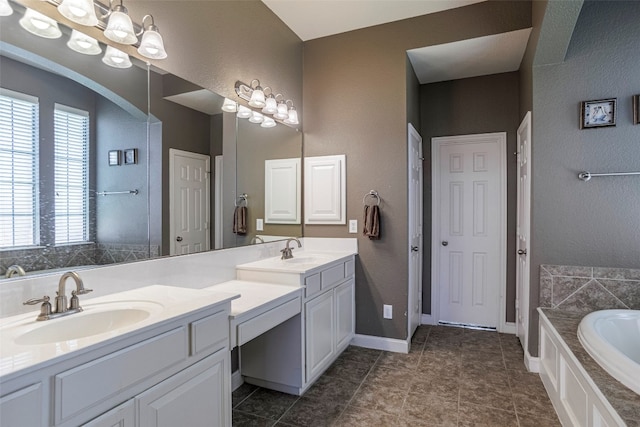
(259, 224)
(387, 311)
(353, 226)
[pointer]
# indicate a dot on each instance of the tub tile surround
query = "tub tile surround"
(191, 271)
(586, 289)
(625, 402)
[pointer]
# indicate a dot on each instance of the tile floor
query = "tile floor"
(451, 377)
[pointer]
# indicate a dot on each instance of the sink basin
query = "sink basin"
(307, 260)
(94, 320)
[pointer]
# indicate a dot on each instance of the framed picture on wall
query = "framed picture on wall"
(596, 114)
(114, 157)
(131, 156)
(636, 109)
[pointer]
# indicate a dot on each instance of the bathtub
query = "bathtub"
(612, 338)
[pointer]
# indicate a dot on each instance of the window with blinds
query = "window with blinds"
(18, 169)
(71, 179)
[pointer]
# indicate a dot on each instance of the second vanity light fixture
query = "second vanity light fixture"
(119, 28)
(269, 103)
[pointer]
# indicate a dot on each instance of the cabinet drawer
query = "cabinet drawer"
(210, 333)
(331, 276)
(262, 323)
(78, 389)
(312, 285)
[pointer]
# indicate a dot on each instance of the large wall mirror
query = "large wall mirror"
(145, 130)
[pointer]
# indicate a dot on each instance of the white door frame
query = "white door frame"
(218, 198)
(522, 301)
(172, 232)
(411, 136)
(501, 139)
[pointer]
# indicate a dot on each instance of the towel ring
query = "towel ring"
(373, 194)
(241, 198)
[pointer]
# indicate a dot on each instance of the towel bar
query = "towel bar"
(586, 176)
(110, 193)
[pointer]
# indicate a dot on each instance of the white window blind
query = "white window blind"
(18, 169)
(71, 175)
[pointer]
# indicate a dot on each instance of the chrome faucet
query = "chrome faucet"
(255, 239)
(286, 252)
(61, 309)
(13, 270)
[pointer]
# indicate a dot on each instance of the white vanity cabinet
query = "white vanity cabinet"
(174, 373)
(291, 356)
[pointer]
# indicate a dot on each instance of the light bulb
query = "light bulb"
(81, 12)
(40, 25)
(243, 112)
(116, 58)
(271, 106)
(256, 117)
(120, 28)
(229, 106)
(84, 44)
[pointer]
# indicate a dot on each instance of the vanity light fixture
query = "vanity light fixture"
(243, 112)
(84, 44)
(151, 45)
(116, 58)
(257, 95)
(229, 106)
(119, 28)
(268, 103)
(292, 118)
(81, 12)
(283, 112)
(5, 8)
(40, 25)
(256, 117)
(268, 122)
(271, 105)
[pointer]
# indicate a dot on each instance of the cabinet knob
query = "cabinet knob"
(445, 243)
(414, 249)
(179, 239)
(522, 251)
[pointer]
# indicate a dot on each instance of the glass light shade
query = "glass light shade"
(256, 117)
(282, 112)
(257, 98)
(243, 112)
(268, 122)
(116, 58)
(5, 8)
(293, 117)
(152, 45)
(120, 28)
(271, 106)
(81, 12)
(84, 44)
(40, 25)
(229, 106)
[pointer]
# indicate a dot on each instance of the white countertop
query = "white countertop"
(163, 303)
(302, 262)
(255, 297)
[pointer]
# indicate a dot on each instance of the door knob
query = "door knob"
(445, 243)
(522, 251)
(178, 239)
(414, 249)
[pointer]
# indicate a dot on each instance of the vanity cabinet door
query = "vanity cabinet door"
(198, 396)
(120, 416)
(23, 407)
(320, 331)
(345, 316)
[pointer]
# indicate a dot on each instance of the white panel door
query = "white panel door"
(189, 202)
(282, 191)
(523, 229)
(325, 190)
(415, 229)
(470, 198)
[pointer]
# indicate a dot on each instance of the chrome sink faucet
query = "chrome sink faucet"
(13, 270)
(286, 252)
(61, 309)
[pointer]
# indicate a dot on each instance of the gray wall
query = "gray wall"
(595, 223)
(355, 87)
(469, 106)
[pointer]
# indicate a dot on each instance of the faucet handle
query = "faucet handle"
(83, 291)
(34, 301)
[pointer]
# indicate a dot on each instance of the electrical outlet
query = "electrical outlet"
(353, 226)
(387, 311)
(259, 224)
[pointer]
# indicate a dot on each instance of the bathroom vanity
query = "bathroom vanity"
(170, 364)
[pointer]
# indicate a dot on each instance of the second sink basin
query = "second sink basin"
(94, 320)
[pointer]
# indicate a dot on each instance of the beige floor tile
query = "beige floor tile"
(360, 417)
(481, 416)
(379, 398)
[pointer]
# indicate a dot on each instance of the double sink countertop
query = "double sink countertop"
(26, 343)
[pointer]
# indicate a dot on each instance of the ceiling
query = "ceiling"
(500, 53)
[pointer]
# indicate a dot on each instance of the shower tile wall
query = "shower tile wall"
(37, 259)
(586, 289)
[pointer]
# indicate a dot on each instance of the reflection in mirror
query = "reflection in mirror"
(127, 206)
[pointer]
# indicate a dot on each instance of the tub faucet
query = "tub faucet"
(286, 252)
(61, 298)
(13, 270)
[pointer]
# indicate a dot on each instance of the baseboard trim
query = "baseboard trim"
(236, 380)
(509, 328)
(427, 319)
(532, 363)
(381, 343)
